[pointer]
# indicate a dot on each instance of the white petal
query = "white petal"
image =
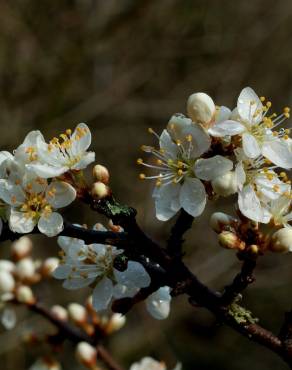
(135, 274)
(51, 225)
(249, 105)
(80, 142)
(208, 169)
(278, 152)
(226, 128)
(123, 291)
(167, 201)
(250, 205)
(193, 197)
(240, 175)
(223, 114)
(47, 171)
(84, 161)
(250, 146)
(102, 294)
(77, 283)
(62, 271)
(60, 194)
(166, 143)
(10, 193)
(8, 318)
(177, 123)
(19, 223)
(158, 303)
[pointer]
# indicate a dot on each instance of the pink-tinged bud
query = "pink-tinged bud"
(77, 313)
(101, 173)
(7, 283)
(59, 312)
(115, 323)
(25, 269)
(225, 185)
(99, 190)
(230, 240)
(21, 248)
(219, 221)
(282, 241)
(25, 295)
(86, 354)
(49, 265)
(201, 108)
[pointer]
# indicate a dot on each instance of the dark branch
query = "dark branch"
(175, 241)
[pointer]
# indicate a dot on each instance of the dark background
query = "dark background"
(122, 66)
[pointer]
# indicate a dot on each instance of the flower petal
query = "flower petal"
(78, 283)
(200, 142)
(208, 169)
(250, 205)
(249, 106)
(193, 197)
(60, 194)
(223, 114)
(47, 171)
(226, 128)
(19, 223)
(166, 144)
(81, 139)
(278, 152)
(240, 175)
(158, 303)
(167, 201)
(250, 146)
(102, 294)
(135, 274)
(84, 161)
(51, 225)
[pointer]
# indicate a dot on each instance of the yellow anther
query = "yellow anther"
(178, 142)
(170, 162)
(287, 131)
(286, 110)
(139, 161)
(162, 151)
(68, 131)
(180, 172)
(150, 130)
(283, 174)
(159, 161)
(268, 104)
(180, 164)
(285, 137)
(189, 138)
(267, 161)
(142, 176)
(276, 188)
(262, 98)
(270, 176)
(158, 183)
(287, 115)
(28, 187)
(286, 194)
(275, 133)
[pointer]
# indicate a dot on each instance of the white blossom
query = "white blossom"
(69, 152)
(257, 129)
(83, 265)
(158, 303)
(181, 170)
(148, 363)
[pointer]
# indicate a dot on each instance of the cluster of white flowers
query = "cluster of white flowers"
(32, 186)
(84, 265)
(221, 152)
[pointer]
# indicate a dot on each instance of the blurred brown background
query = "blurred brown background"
(122, 66)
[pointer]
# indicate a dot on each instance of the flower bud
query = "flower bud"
(59, 312)
(99, 190)
(220, 220)
(46, 364)
(116, 322)
(7, 283)
(86, 354)
(21, 248)
(25, 269)
(25, 295)
(49, 266)
(201, 108)
(100, 173)
(6, 265)
(77, 313)
(225, 185)
(230, 240)
(282, 241)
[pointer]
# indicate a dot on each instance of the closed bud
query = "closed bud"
(282, 241)
(201, 108)
(6, 265)
(101, 173)
(116, 322)
(86, 354)
(220, 220)
(77, 313)
(225, 185)
(99, 190)
(59, 312)
(49, 265)
(25, 295)
(7, 283)
(25, 269)
(21, 248)
(230, 240)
